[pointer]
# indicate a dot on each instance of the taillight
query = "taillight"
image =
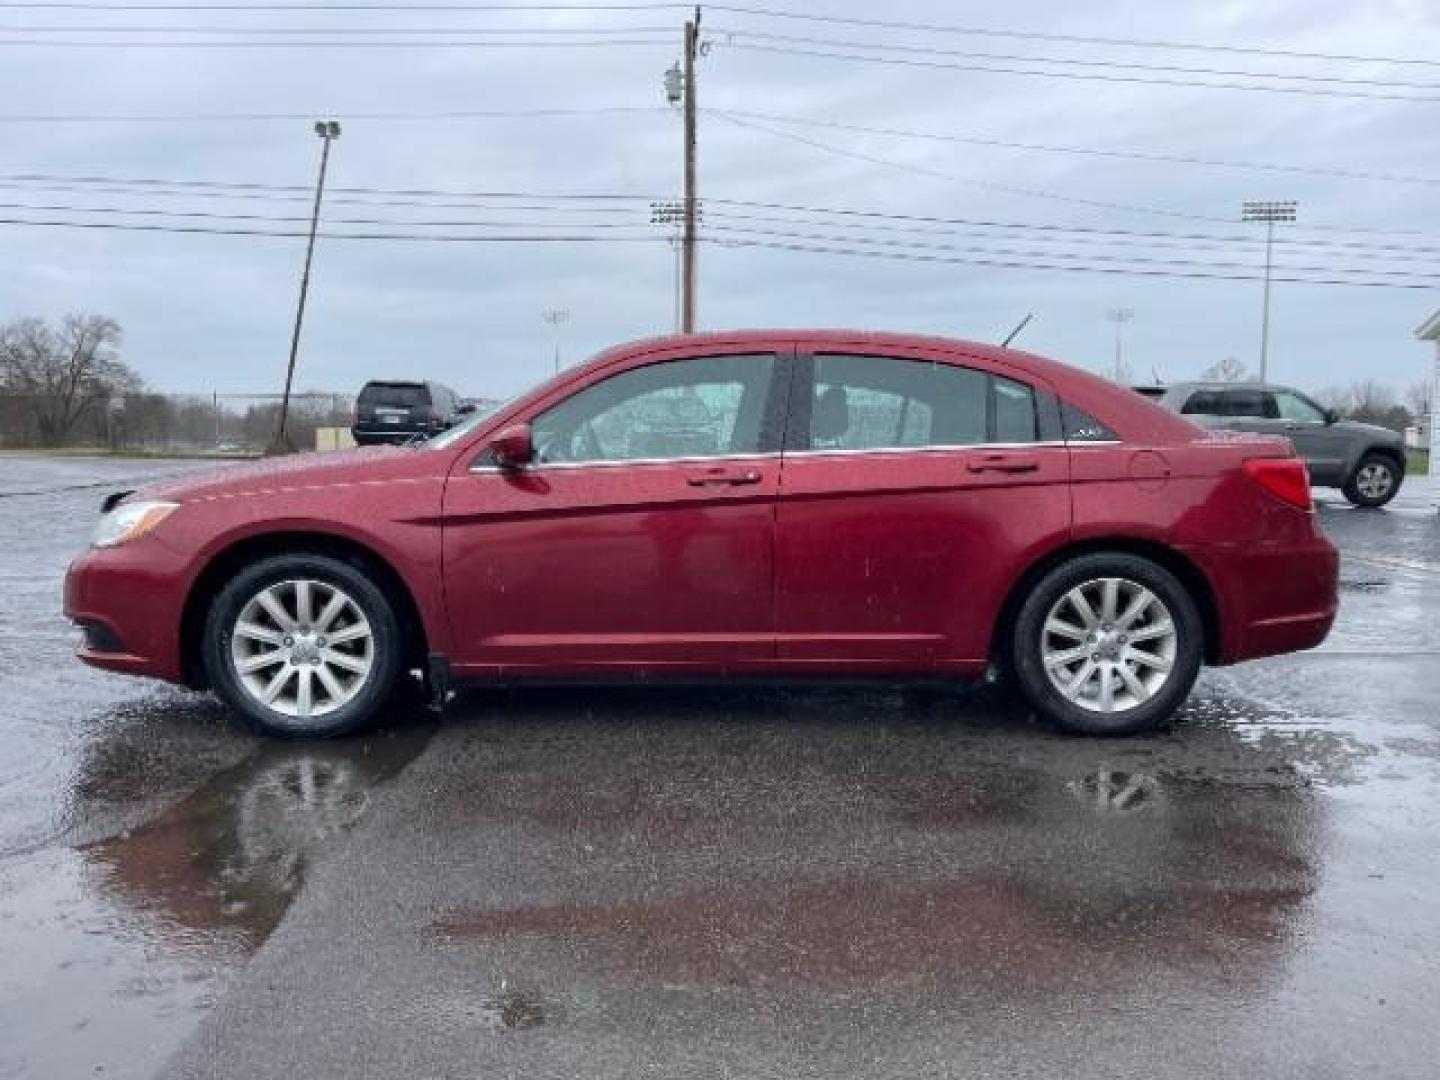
(1285, 478)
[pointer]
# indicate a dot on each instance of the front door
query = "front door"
(1321, 444)
(643, 533)
(914, 489)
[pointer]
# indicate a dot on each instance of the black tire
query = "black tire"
(387, 648)
(1027, 643)
(1369, 499)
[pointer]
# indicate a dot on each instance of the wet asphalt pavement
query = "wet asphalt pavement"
(768, 883)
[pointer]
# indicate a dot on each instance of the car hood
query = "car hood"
(368, 464)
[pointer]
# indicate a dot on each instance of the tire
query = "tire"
(1375, 482)
(1045, 631)
(350, 675)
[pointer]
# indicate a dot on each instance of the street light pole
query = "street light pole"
(328, 130)
(1269, 213)
(687, 310)
(1119, 316)
(553, 317)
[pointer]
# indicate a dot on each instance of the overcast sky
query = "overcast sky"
(206, 313)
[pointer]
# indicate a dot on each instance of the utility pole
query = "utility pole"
(1119, 316)
(687, 274)
(1269, 213)
(328, 130)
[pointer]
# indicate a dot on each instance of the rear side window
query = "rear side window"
(1079, 426)
(393, 396)
(1203, 403)
(885, 402)
(1245, 403)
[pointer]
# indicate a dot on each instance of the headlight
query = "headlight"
(130, 521)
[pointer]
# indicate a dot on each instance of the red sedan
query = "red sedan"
(758, 504)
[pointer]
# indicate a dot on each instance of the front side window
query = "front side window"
(1293, 407)
(881, 402)
(702, 407)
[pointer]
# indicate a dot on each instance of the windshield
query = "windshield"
(452, 435)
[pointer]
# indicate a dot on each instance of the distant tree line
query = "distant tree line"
(65, 385)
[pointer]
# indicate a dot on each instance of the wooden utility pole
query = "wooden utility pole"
(687, 273)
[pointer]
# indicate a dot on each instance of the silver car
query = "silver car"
(1366, 462)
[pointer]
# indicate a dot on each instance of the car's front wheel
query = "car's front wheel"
(1376, 481)
(303, 646)
(1107, 644)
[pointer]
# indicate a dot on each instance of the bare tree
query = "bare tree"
(1230, 369)
(62, 374)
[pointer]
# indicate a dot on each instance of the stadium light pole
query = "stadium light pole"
(328, 130)
(1269, 213)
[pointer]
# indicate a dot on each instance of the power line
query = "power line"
(929, 50)
(1129, 155)
(436, 115)
(921, 170)
(1077, 75)
(340, 31)
(597, 44)
(1022, 265)
(301, 233)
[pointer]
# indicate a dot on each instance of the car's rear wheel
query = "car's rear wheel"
(1376, 481)
(303, 646)
(1107, 644)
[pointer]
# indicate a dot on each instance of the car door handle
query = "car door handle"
(1003, 463)
(720, 477)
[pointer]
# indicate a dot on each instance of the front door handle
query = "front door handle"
(1003, 463)
(723, 477)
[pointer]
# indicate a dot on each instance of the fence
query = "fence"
(168, 423)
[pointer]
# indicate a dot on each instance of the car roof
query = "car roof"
(1229, 386)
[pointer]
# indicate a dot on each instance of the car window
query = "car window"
(699, 407)
(1245, 403)
(1203, 403)
(1013, 406)
(393, 395)
(1078, 425)
(1291, 406)
(882, 402)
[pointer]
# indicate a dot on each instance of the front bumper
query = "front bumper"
(129, 600)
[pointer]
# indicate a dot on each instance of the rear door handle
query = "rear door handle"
(723, 477)
(1003, 463)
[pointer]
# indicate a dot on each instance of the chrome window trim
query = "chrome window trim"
(1049, 444)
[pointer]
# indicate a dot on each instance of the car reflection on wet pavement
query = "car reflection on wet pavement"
(757, 882)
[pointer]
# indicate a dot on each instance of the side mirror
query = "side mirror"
(1331, 416)
(465, 408)
(512, 447)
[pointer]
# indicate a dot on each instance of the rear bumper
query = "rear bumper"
(1272, 599)
(129, 600)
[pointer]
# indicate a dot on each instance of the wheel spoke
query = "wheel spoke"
(350, 633)
(1107, 688)
(331, 610)
(1150, 660)
(275, 685)
(355, 664)
(1066, 657)
(1075, 685)
(1060, 628)
(256, 632)
(304, 611)
(1154, 630)
(276, 610)
(1082, 606)
(330, 683)
(260, 660)
(1133, 684)
(1109, 599)
(1139, 604)
(303, 691)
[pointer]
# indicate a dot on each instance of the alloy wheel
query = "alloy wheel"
(1373, 481)
(1109, 645)
(302, 648)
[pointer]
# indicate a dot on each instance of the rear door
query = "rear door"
(913, 488)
